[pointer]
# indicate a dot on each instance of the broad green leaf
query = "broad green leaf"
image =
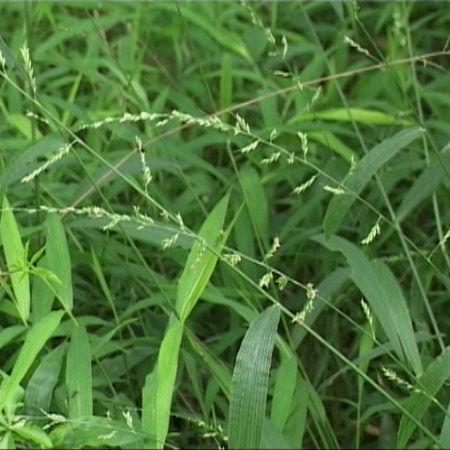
(381, 290)
(429, 384)
(39, 391)
(285, 383)
(250, 381)
(159, 386)
(201, 261)
(36, 338)
(255, 198)
(79, 374)
(15, 255)
(354, 183)
(58, 259)
(359, 115)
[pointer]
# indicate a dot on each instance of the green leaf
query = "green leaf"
(96, 432)
(7, 441)
(359, 115)
(201, 261)
(43, 291)
(36, 338)
(15, 255)
(9, 334)
(445, 432)
(255, 198)
(39, 391)
(158, 390)
(285, 383)
(79, 374)
(362, 173)
(250, 381)
(226, 82)
(33, 433)
(296, 424)
(58, 259)
(417, 404)
(381, 290)
(273, 438)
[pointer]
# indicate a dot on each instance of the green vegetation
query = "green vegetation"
(224, 225)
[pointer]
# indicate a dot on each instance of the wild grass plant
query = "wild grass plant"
(224, 225)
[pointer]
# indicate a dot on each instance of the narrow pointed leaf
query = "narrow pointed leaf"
(159, 386)
(256, 201)
(362, 173)
(428, 385)
(58, 259)
(285, 383)
(201, 261)
(381, 290)
(79, 374)
(14, 254)
(39, 391)
(36, 338)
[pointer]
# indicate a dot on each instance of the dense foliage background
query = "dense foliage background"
(224, 225)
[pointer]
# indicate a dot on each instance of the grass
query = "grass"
(224, 225)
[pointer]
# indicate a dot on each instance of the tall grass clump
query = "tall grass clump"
(224, 225)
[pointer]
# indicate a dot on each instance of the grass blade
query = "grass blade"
(36, 338)
(39, 391)
(58, 259)
(255, 198)
(385, 297)
(357, 114)
(158, 389)
(201, 261)
(285, 383)
(15, 255)
(250, 381)
(296, 424)
(79, 374)
(362, 173)
(445, 432)
(428, 386)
